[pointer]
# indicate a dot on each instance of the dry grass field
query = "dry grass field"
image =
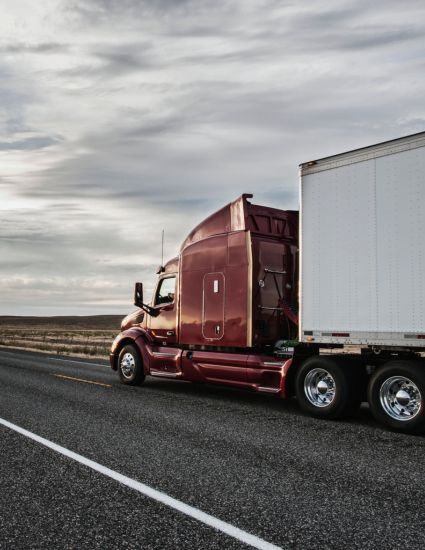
(81, 336)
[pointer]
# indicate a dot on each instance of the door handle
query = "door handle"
(170, 332)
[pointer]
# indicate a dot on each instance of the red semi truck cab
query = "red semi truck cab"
(221, 306)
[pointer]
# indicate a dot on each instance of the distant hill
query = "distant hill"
(75, 322)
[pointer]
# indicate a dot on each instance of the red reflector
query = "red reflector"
(341, 334)
(421, 336)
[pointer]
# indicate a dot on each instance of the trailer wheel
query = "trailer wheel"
(130, 367)
(396, 396)
(327, 388)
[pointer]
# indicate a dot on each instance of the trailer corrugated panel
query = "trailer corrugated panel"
(363, 246)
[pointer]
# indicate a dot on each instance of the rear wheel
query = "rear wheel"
(130, 367)
(327, 388)
(396, 396)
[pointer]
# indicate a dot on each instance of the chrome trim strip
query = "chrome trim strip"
(268, 390)
(274, 271)
(163, 374)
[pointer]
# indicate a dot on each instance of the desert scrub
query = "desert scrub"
(83, 339)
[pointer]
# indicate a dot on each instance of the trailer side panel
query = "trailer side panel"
(362, 246)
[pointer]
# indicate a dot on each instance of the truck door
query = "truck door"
(163, 327)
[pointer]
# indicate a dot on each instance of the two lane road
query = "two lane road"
(251, 461)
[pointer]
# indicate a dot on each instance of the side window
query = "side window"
(166, 291)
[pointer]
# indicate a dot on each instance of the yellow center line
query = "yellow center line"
(82, 380)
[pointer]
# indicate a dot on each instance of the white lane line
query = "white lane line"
(79, 362)
(159, 496)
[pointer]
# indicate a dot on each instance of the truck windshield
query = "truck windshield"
(165, 292)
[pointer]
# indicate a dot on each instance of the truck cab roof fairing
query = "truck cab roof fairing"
(241, 215)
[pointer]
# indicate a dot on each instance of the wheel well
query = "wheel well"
(124, 342)
(291, 375)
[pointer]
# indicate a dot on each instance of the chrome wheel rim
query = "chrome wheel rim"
(400, 398)
(319, 387)
(128, 365)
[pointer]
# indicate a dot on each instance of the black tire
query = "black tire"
(343, 379)
(385, 391)
(130, 366)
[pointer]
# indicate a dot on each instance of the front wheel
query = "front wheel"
(328, 388)
(130, 367)
(396, 396)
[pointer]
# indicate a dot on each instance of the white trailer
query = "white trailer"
(362, 278)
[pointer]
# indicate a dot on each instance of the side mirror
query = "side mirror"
(138, 295)
(138, 300)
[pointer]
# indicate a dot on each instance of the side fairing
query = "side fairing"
(214, 297)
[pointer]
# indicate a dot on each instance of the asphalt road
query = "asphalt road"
(252, 461)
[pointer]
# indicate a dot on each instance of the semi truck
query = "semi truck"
(326, 304)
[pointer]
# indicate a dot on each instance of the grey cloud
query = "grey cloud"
(365, 38)
(98, 9)
(15, 124)
(40, 48)
(67, 207)
(13, 99)
(31, 143)
(151, 176)
(111, 63)
(129, 56)
(116, 64)
(44, 259)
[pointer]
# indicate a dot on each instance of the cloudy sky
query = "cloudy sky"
(122, 117)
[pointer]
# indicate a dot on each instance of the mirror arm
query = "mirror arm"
(149, 310)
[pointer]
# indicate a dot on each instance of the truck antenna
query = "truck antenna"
(162, 247)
